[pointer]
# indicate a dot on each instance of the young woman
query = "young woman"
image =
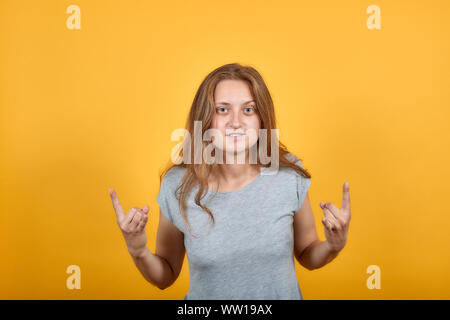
(240, 224)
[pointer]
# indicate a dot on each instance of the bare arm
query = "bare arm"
(316, 255)
(309, 251)
(155, 269)
(162, 268)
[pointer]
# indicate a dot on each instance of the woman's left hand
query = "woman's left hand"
(336, 221)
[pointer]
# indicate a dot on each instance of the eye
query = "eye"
(221, 108)
(250, 109)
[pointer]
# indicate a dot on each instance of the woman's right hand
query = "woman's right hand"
(132, 225)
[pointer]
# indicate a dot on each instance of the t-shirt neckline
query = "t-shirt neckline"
(244, 188)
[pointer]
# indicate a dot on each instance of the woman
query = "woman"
(240, 224)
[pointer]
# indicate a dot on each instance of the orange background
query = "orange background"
(85, 110)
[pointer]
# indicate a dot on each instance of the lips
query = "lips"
(236, 134)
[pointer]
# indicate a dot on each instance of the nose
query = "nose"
(235, 121)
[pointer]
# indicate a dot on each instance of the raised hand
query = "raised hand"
(132, 225)
(336, 222)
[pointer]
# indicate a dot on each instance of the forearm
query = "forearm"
(154, 268)
(317, 255)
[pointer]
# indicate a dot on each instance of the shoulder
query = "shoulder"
(292, 158)
(287, 177)
(175, 172)
(298, 177)
(302, 181)
(173, 177)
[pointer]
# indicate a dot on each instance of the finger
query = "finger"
(116, 204)
(142, 224)
(335, 225)
(135, 227)
(336, 213)
(326, 212)
(136, 218)
(135, 211)
(327, 224)
(346, 197)
(130, 215)
(145, 209)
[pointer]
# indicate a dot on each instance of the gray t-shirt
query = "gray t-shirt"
(248, 253)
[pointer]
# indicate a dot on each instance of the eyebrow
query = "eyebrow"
(229, 104)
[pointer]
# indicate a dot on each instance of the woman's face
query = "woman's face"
(235, 113)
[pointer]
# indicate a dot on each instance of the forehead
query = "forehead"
(232, 91)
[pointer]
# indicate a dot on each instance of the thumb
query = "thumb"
(145, 209)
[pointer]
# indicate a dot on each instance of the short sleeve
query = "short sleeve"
(302, 188)
(303, 184)
(164, 197)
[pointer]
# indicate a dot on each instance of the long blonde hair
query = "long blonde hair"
(202, 109)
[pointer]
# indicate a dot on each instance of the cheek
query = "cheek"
(219, 124)
(213, 122)
(255, 125)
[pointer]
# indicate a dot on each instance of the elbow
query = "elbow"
(304, 257)
(157, 284)
(309, 267)
(306, 266)
(163, 286)
(303, 263)
(160, 286)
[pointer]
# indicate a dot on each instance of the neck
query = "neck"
(236, 171)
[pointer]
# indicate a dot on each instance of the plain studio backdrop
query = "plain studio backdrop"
(89, 96)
